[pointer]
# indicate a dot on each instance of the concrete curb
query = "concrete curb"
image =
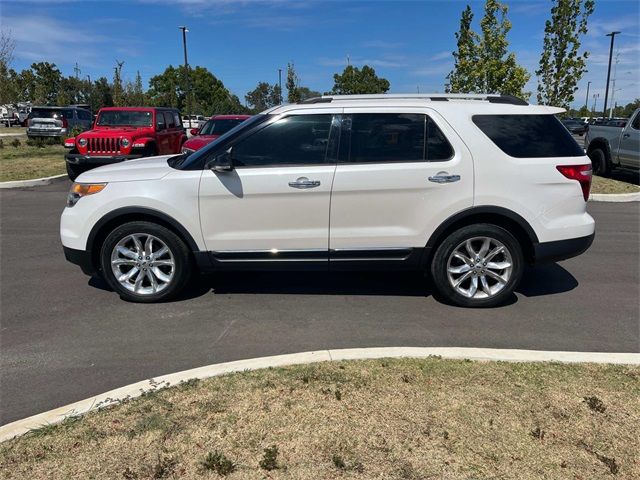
(36, 182)
(615, 197)
(20, 427)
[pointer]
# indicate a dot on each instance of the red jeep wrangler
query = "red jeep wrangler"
(124, 133)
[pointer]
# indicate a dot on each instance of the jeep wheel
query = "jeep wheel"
(145, 262)
(477, 266)
(599, 163)
(74, 170)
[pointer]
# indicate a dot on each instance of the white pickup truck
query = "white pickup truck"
(612, 147)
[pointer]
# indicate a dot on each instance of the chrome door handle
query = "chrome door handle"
(304, 182)
(444, 178)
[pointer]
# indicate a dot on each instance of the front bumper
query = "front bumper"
(46, 133)
(96, 160)
(561, 249)
(82, 258)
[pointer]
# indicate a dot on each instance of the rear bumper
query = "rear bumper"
(46, 133)
(95, 160)
(82, 258)
(561, 249)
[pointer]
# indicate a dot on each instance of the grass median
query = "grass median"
(21, 161)
(609, 185)
(391, 419)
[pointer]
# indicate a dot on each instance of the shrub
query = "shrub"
(218, 463)
(270, 458)
(15, 143)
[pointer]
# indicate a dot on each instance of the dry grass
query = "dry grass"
(24, 162)
(385, 419)
(608, 185)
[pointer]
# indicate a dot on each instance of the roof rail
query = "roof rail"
(443, 97)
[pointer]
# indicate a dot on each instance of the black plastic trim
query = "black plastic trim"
(509, 99)
(82, 258)
(120, 212)
(317, 100)
(79, 159)
(562, 249)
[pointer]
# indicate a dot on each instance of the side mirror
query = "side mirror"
(222, 162)
(195, 131)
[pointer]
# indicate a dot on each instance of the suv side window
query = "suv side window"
(293, 140)
(160, 124)
(636, 122)
(393, 137)
(176, 119)
(168, 117)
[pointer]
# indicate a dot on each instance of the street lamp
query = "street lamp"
(280, 85)
(606, 92)
(595, 100)
(586, 100)
(186, 71)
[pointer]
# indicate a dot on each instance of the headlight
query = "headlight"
(125, 142)
(79, 190)
(82, 142)
(187, 151)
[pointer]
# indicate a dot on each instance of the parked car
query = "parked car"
(56, 121)
(578, 128)
(193, 121)
(451, 185)
(614, 146)
(125, 133)
(9, 115)
(215, 127)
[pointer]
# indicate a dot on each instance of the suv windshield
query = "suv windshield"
(50, 113)
(125, 117)
(218, 127)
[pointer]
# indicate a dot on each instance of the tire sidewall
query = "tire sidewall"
(178, 248)
(446, 248)
(599, 162)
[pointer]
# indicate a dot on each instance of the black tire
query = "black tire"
(178, 250)
(440, 265)
(150, 151)
(73, 171)
(600, 162)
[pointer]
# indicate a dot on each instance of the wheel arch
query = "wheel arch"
(602, 144)
(117, 217)
(499, 216)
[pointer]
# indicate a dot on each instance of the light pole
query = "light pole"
(606, 92)
(186, 71)
(280, 84)
(586, 100)
(595, 100)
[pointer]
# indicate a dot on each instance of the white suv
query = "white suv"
(468, 188)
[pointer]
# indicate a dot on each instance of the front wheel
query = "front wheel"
(477, 266)
(73, 171)
(145, 262)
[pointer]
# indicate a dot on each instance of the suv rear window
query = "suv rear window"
(51, 113)
(529, 136)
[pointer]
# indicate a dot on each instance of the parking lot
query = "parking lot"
(65, 337)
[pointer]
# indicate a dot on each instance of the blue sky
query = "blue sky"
(243, 42)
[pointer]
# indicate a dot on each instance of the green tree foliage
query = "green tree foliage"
(355, 81)
(101, 95)
(134, 92)
(262, 97)
(117, 88)
(561, 67)
(483, 62)
(8, 90)
(210, 96)
(305, 93)
(462, 78)
(293, 93)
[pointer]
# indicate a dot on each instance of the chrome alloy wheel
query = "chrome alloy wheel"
(479, 267)
(142, 263)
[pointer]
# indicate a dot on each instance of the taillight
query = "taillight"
(65, 124)
(581, 173)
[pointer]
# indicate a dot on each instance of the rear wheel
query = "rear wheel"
(477, 266)
(145, 262)
(599, 163)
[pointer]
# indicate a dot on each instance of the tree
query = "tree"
(463, 77)
(41, 83)
(561, 67)
(293, 93)
(134, 92)
(117, 89)
(101, 94)
(209, 93)
(262, 97)
(354, 81)
(305, 93)
(483, 62)
(7, 74)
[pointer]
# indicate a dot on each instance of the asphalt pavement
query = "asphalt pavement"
(65, 337)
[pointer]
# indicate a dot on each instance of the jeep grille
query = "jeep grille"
(104, 145)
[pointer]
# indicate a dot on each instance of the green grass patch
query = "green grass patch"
(21, 161)
(404, 418)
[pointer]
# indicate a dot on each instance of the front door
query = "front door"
(629, 149)
(400, 174)
(273, 207)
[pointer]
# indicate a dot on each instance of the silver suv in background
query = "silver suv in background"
(610, 146)
(57, 121)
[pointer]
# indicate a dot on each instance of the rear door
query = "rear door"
(162, 134)
(401, 173)
(273, 207)
(629, 148)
